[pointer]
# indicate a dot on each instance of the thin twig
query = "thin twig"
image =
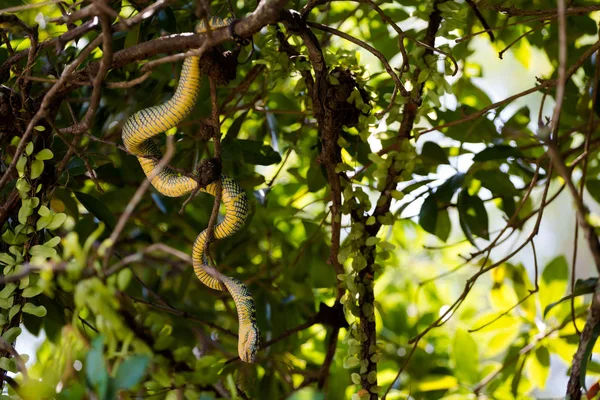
(105, 63)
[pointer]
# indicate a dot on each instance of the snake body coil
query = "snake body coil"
(138, 131)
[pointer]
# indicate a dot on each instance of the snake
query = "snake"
(138, 131)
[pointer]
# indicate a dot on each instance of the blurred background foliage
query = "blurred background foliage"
(488, 324)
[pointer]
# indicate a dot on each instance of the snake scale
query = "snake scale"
(138, 131)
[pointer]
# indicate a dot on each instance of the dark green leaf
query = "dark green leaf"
(443, 225)
(447, 189)
(428, 214)
(480, 130)
(315, 177)
(500, 152)
(433, 154)
(257, 153)
(473, 216)
(497, 182)
(96, 208)
(509, 206)
(167, 20)
(68, 201)
(414, 186)
(234, 129)
(593, 187)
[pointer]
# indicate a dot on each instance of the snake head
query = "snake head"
(249, 339)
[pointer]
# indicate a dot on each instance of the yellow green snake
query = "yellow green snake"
(138, 131)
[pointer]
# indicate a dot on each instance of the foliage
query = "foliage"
(392, 196)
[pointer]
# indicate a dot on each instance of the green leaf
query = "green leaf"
(351, 362)
(133, 36)
(22, 185)
(95, 368)
(509, 206)
(43, 222)
(423, 75)
(500, 152)
(372, 241)
(477, 131)
(372, 376)
(96, 208)
(315, 178)
(428, 214)
(554, 281)
(44, 154)
(13, 311)
(582, 287)
(497, 182)
(57, 220)
(7, 303)
(123, 278)
(593, 187)
(44, 211)
(6, 259)
(9, 237)
(432, 153)
(446, 190)
(32, 291)
(21, 165)
(12, 334)
(53, 242)
(8, 364)
(24, 212)
(29, 148)
(7, 290)
(40, 250)
(539, 367)
(472, 216)
(39, 311)
(234, 129)
(37, 167)
(167, 20)
(131, 371)
(257, 153)
(443, 225)
(465, 357)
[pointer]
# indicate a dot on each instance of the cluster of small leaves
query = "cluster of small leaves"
(34, 220)
(359, 249)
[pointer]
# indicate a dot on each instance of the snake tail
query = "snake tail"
(248, 335)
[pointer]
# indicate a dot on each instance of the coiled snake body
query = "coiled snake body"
(138, 131)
